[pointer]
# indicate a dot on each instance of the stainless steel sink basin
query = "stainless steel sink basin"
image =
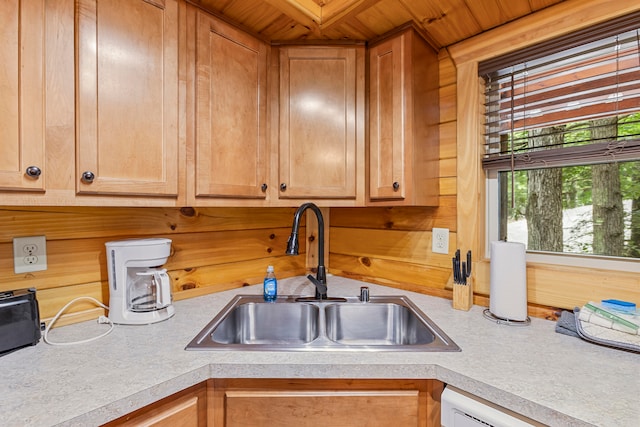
(268, 323)
(376, 324)
(382, 323)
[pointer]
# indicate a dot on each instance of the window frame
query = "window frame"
(515, 61)
(463, 114)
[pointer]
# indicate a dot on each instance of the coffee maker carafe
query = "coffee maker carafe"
(139, 289)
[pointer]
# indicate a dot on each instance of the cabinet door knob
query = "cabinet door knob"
(264, 187)
(88, 177)
(396, 186)
(33, 172)
(283, 187)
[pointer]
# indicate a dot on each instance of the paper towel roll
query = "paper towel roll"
(508, 291)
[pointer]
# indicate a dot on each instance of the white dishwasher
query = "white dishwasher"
(461, 409)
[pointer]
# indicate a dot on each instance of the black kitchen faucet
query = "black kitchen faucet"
(320, 281)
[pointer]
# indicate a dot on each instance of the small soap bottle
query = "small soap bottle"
(270, 285)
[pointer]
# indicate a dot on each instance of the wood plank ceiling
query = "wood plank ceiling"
(444, 22)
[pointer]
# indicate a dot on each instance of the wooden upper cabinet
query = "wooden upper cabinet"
(320, 122)
(403, 122)
(231, 112)
(22, 143)
(127, 97)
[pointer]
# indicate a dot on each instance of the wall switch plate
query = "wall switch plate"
(29, 254)
(440, 240)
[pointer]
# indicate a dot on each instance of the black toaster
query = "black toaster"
(19, 320)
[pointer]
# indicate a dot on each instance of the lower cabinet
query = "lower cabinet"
(306, 402)
(183, 409)
(299, 402)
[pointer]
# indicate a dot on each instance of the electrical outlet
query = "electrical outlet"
(29, 254)
(440, 240)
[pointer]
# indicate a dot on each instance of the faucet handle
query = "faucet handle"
(364, 294)
(321, 288)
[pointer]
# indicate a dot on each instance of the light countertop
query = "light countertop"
(552, 378)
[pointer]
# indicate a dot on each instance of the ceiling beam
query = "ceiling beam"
(336, 12)
(318, 18)
(300, 13)
(299, 10)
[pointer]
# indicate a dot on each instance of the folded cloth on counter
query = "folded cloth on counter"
(566, 324)
(592, 313)
(606, 336)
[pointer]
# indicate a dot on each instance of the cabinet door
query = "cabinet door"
(387, 113)
(187, 408)
(231, 112)
(318, 122)
(322, 408)
(22, 102)
(127, 97)
(324, 402)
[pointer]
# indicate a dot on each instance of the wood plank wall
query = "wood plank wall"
(221, 248)
(392, 245)
(213, 249)
(216, 249)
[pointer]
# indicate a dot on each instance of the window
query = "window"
(562, 151)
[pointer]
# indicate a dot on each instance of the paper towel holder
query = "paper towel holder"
(508, 284)
(501, 321)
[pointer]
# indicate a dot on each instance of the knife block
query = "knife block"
(463, 295)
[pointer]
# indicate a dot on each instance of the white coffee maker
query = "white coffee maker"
(139, 290)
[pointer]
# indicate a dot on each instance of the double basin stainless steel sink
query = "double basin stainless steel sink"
(381, 323)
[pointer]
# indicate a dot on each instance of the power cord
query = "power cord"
(101, 320)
